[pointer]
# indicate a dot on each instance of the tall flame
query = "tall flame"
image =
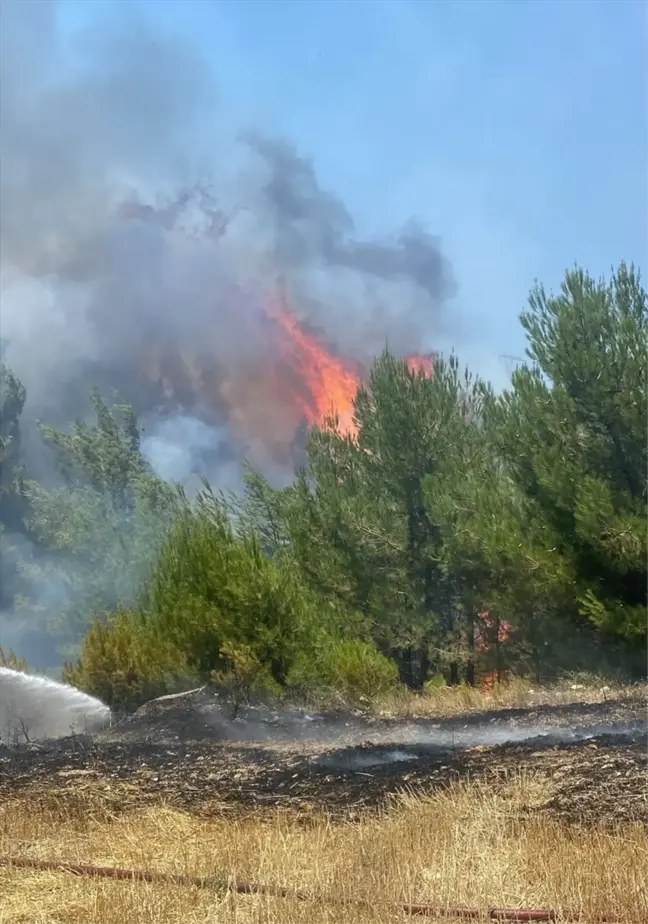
(325, 384)
(299, 380)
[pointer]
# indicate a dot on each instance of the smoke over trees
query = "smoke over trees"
(124, 262)
(457, 532)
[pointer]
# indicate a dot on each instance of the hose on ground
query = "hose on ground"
(519, 915)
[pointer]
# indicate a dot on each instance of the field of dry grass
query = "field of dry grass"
(469, 845)
(479, 841)
(514, 694)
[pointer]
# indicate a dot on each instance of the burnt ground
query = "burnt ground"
(187, 751)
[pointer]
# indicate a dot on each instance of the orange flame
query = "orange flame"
(268, 401)
(324, 385)
(421, 362)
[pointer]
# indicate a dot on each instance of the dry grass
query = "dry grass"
(470, 845)
(449, 701)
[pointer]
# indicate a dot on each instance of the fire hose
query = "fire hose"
(254, 888)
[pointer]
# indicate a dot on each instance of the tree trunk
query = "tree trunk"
(411, 668)
(498, 652)
(424, 668)
(454, 674)
(470, 666)
(405, 667)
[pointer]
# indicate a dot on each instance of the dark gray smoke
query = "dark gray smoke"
(122, 113)
(314, 227)
(164, 300)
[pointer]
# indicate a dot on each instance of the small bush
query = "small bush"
(436, 682)
(215, 608)
(352, 668)
(243, 675)
(123, 664)
(212, 588)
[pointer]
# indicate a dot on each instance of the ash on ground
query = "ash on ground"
(190, 751)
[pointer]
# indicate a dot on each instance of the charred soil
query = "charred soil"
(187, 752)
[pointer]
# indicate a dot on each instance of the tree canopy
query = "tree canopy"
(458, 531)
(572, 431)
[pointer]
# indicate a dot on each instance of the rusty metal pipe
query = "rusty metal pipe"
(255, 888)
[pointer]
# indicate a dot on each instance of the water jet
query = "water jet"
(33, 708)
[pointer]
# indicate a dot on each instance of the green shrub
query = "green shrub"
(436, 682)
(212, 588)
(243, 675)
(214, 607)
(124, 664)
(352, 668)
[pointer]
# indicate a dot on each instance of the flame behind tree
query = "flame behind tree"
(299, 381)
(421, 362)
(103, 281)
(325, 385)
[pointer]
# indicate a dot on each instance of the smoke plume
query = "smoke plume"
(118, 267)
(198, 269)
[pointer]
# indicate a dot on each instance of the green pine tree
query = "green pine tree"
(573, 433)
(356, 521)
(13, 502)
(12, 402)
(100, 529)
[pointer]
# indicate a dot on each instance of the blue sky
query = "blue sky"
(515, 129)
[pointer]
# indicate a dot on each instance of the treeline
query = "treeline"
(459, 533)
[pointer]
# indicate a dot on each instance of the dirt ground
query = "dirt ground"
(188, 752)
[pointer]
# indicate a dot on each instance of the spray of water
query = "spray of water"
(33, 708)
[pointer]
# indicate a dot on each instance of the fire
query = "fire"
(324, 385)
(421, 362)
(298, 381)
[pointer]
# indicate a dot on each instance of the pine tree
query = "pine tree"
(357, 522)
(100, 529)
(573, 432)
(13, 503)
(12, 402)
